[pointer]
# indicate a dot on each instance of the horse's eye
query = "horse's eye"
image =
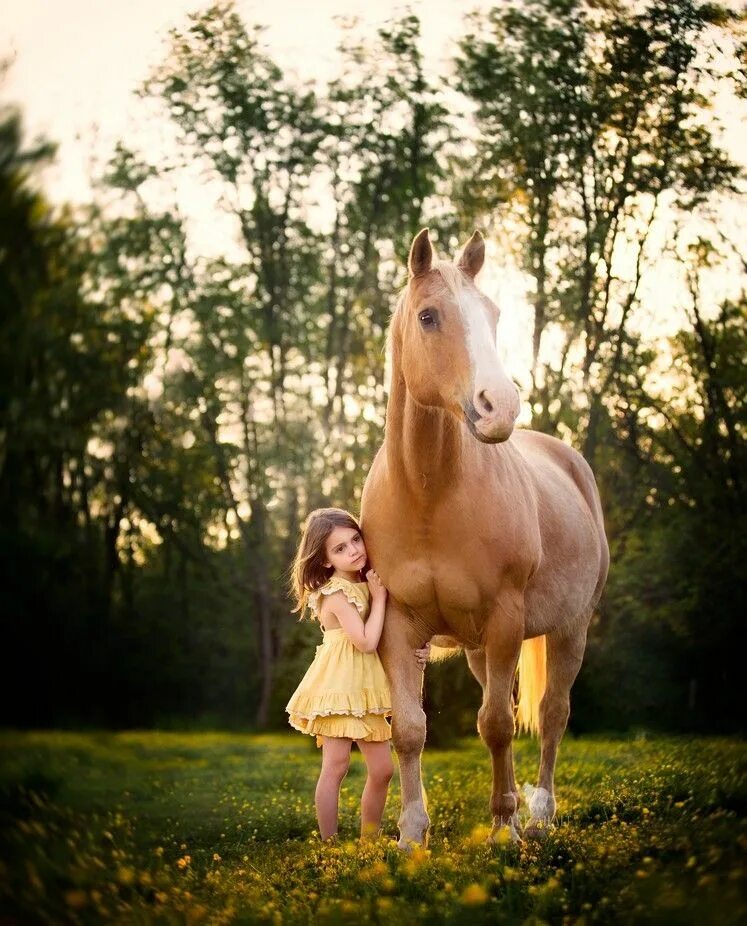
(428, 318)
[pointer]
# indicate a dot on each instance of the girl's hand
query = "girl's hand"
(422, 655)
(376, 586)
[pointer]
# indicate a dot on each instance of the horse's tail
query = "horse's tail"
(532, 681)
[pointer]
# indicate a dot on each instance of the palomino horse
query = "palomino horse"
(484, 536)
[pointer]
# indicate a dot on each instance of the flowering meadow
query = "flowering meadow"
(214, 828)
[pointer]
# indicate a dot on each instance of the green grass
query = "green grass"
(220, 828)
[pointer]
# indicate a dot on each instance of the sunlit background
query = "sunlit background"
(202, 358)
(204, 229)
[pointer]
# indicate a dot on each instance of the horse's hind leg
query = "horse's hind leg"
(565, 652)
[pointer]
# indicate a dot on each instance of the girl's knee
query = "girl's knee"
(335, 769)
(381, 773)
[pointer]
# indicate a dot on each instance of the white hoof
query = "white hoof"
(541, 805)
(413, 829)
(408, 845)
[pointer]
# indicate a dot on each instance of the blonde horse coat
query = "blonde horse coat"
(484, 536)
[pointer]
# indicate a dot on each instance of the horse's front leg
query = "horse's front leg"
(504, 633)
(398, 640)
(476, 663)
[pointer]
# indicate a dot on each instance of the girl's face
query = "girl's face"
(345, 550)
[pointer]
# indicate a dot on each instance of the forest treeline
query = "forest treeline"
(168, 416)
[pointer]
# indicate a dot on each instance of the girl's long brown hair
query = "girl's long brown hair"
(308, 572)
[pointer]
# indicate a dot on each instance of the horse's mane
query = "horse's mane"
(395, 315)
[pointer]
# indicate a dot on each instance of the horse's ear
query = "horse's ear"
(421, 254)
(473, 255)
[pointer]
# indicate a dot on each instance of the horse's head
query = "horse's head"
(444, 333)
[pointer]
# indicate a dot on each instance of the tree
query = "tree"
(674, 457)
(274, 354)
(65, 365)
(591, 120)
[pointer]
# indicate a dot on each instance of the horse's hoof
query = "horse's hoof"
(413, 829)
(408, 845)
(537, 830)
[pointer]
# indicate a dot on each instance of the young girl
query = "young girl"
(344, 695)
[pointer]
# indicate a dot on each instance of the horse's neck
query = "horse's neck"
(424, 445)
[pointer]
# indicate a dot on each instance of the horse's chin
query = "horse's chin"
(488, 435)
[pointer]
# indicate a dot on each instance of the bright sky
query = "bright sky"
(75, 63)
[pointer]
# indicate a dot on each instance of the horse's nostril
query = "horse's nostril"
(485, 402)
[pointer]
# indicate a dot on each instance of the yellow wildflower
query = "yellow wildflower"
(125, 875)
(473, 895)
(479, 835)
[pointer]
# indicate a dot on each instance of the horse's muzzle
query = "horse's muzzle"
(488, 430)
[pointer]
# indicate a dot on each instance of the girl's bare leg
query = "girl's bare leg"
(335, 762)
(378, 757)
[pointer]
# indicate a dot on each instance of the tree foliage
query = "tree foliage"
(169, 411)
(594, 124)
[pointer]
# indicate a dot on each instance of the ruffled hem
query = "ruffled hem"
(371, 727)
(350, 590)
(356, 704)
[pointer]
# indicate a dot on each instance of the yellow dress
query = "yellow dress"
(344, 691)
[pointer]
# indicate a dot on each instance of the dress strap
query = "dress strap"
(354, 594)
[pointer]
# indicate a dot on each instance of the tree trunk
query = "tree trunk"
(257, 562)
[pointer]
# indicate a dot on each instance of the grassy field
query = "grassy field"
(219, 828)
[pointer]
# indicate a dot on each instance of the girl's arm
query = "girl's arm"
(364, 636)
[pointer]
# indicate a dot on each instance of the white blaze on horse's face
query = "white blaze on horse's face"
(449, 342)
(494, 405)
